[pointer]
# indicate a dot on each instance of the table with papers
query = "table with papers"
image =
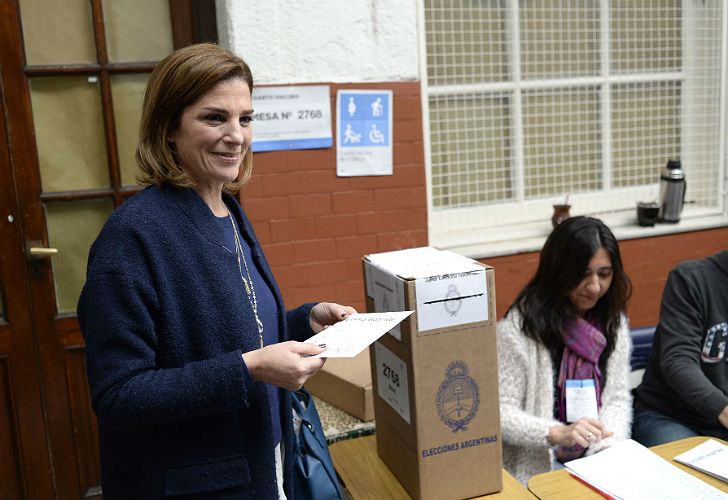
(560, 484)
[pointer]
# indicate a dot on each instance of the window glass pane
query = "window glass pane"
(72, 227)
(69, 132)
(561, 140)
(471, 150)
(700, 108)
(466, 42)
(645, 131)
(559, 38)
(646, 35)
(58, 32)
(137, 30)
(128, 93)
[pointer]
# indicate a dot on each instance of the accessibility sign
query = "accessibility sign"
(363, 132)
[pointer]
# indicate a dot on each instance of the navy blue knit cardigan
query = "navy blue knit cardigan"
(165, 325)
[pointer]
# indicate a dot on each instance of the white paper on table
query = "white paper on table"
(627, 470)
(348, 338)
(710, 457)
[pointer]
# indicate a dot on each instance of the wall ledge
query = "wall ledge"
(531, 237)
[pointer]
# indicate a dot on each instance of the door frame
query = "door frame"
(24, 416)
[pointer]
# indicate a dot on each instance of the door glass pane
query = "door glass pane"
(58, 32)
(69, 132)
(137, 30)
(72, 227)
(128, 93)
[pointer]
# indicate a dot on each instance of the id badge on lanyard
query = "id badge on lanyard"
(581, 400)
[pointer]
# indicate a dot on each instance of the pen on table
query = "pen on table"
(591, 486)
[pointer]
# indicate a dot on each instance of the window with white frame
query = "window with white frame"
(530, 102)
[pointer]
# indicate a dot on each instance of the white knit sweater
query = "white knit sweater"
(526, 384)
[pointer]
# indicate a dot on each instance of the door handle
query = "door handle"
(36, 251)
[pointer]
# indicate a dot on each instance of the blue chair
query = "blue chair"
(641, 348)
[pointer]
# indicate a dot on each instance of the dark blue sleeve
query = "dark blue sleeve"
(117, 313)
(299, 327)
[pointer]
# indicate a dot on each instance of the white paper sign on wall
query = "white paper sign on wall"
(291, 117)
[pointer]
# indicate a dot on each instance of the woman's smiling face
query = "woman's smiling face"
(595, 283)
(214, 134)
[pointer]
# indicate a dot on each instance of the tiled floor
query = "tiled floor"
(340, 425)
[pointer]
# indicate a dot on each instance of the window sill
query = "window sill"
(531, 237)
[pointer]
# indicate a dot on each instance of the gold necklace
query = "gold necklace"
(249, 288)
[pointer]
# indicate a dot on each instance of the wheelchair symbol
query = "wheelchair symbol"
(375, 135)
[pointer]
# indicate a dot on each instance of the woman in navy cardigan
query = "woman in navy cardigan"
(190, 352)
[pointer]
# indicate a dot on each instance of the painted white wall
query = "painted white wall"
(298, 41)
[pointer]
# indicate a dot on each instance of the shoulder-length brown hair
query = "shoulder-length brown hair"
(178, 81)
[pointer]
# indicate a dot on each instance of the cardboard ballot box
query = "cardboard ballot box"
(435, 377)
(347, 384)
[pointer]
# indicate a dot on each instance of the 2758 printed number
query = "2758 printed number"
(390, 374)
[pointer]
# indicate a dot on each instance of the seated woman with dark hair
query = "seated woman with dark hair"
(567, 326)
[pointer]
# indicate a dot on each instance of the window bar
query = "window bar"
(606, 97)
(514, 44)
(425, 99)
(723, 151)
(106, 101)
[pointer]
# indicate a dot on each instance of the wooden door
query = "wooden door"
(72, 76)
(21, 412)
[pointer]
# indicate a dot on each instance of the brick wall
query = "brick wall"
(315, 226)
(647, 262)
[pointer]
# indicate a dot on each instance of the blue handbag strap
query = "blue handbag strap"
(305, 396)
(310, 419)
